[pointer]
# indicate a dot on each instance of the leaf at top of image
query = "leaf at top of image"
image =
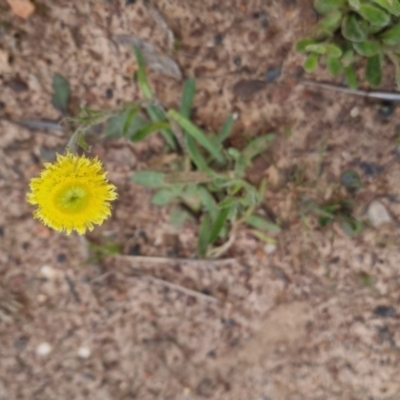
(61, 93)
(327, 6)
(374, 15)
(353, 28)
(393, 6)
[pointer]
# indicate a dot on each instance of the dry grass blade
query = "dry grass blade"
(163, 260)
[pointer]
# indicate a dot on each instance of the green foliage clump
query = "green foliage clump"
(350, 30)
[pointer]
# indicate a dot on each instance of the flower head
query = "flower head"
(72, 194)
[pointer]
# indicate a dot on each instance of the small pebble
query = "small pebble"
(44, 349)
(237, 61)
(109, 93)
(61, 257)
(218, 38)
(377, 214)
(84, 352)
(354, 112)
(48, 272)
(41, 298)
(269, 248)
(385, 311)
(235, 116)
(272, 74)
(386, 109)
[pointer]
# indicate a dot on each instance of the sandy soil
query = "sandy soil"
(315, 318)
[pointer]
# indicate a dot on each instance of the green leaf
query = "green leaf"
(391, 37)
(373, 71)
(218, 224)
(316, 48)
(257, 146)
(262, 236)
(326, 6)
(226, 128)
(129, 115)
(189, 90)
(367, 48)
(351, 226)
(151, 179)
(150, 128)
(262, 224)
(351, 77)
(204, 236)
(334, 66)
(197, 134)
(178, 216)
(61, 93)
(352, 28)
(351, 180)
(355, 4)
(157, 115)
(208, 202)
(195, 155)
(393, 6)
(332, 50)
(142, 77)
(311, 62)
(163, 197)
(331, 22)
(348, 58)
(301, 44)
(374, 15)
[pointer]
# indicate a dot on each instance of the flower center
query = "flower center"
(72, 199)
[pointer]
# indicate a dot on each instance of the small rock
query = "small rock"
(109, 93)
(48, 272)
(247, 88)
(354, 112)
(386, 109)
(377, 214)
(44, 349)
(371, 169)
(385, 311)
(218, 38)
(21, 8)
(237, 61)
(61, 257)
(84, 352)
(272, 74)
(269, 248)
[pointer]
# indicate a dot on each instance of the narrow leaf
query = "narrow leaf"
(208, 201)
(351, 77)
(261, 223)
(189, 90)
(61, 93)
(130, 115)
(262, 236)
(157, 115)
(311, 62)
(218, 224)
(197, 134)
(373, 71)
(195, 155)
(204, 236)
(258, 146)
(150, 128)
(226, 129)
(151, 179)
(142, 77)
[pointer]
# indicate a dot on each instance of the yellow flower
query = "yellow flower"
(72, 194)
